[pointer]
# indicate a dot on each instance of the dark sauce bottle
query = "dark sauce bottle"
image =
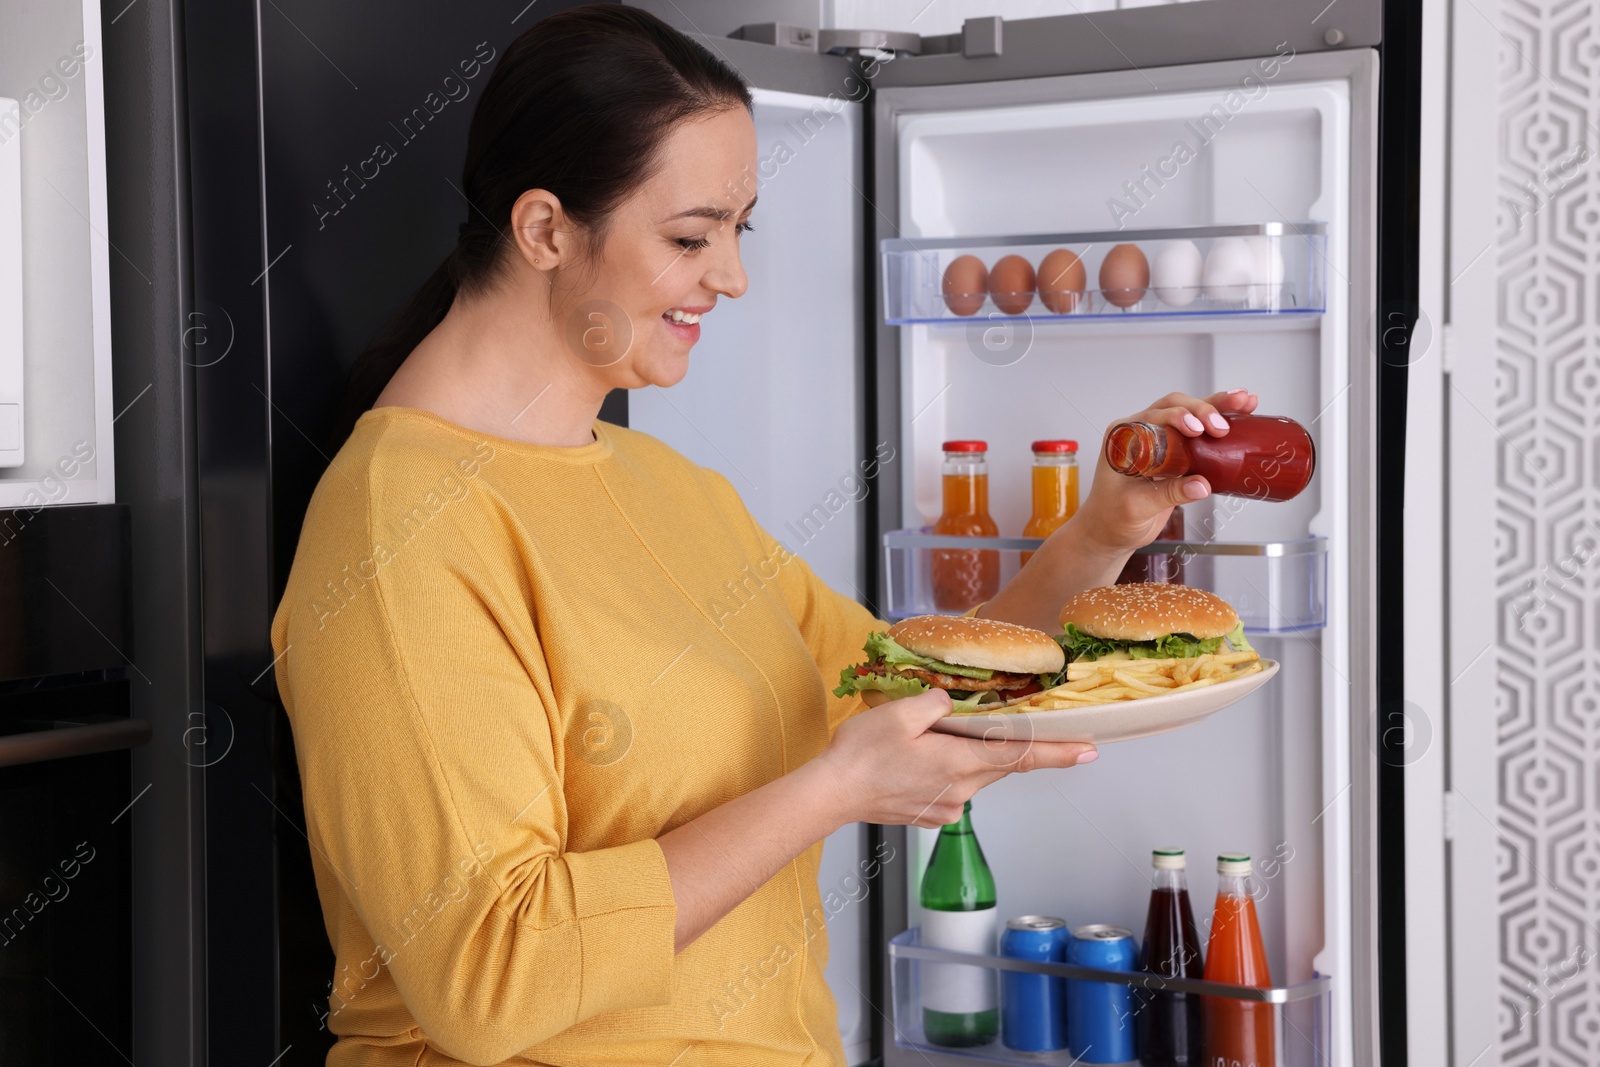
(1158, 567)
(1168, 1023)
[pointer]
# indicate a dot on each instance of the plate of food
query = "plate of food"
(1131, 661)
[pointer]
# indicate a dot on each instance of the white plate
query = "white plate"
(1120, 720)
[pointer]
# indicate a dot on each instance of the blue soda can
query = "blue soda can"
(1033, 1006)
(1100, 1014)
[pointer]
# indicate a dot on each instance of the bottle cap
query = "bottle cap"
(1235, 864)
(1168, 859)
(966, 446)
(1055, 446)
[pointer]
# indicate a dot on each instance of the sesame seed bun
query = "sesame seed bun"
(972, 642)
(1144, 611)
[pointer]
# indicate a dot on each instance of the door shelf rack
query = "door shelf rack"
(1300, 1012)
(1193, 272)
(1276, 587)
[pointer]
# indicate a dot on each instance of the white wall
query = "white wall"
(1524, 398)
(50, 63)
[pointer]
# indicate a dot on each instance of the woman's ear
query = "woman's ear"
(539, 228)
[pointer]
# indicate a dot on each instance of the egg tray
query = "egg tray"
(1242, 270)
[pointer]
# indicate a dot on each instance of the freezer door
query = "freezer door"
(1291, 777)
(774, 394)
(1139, 35)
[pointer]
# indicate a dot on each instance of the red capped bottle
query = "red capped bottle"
(963, 577)
(1055, 488)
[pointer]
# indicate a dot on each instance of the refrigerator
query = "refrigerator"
(825, 393)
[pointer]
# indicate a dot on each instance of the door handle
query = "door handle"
(95, 733)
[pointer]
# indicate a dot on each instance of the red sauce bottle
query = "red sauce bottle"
(1237, 1031)
(1264, 457)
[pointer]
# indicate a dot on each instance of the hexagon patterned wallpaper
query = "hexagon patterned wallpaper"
(1547, 511)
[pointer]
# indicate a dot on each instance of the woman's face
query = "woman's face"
(670, 251)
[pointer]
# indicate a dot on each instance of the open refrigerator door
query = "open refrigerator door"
(1270, 161)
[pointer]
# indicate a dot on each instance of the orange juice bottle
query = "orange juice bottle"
(963, 577)
(1055, 488)
(1237, 1031)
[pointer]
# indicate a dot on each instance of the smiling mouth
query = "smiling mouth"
(681, 318)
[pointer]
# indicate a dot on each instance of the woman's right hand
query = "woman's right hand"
(888, 767)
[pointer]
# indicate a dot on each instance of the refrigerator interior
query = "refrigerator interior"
(1268, 775)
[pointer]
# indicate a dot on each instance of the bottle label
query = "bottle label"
(955, 987)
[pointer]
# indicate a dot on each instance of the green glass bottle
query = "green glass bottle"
(960, 1004)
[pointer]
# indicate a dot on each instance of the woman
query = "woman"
(563, 809)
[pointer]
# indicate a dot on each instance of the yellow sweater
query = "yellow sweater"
(509, 668)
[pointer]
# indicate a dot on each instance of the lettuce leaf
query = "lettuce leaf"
(1235, 638)
(1079, 645)
(881, 646)
(896, 686)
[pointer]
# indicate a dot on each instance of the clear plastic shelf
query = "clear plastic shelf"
(1275, 586)
(1269, 268)
(1301, 1012)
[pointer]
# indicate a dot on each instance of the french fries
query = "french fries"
(1106, 681)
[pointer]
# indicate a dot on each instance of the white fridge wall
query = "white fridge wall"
(1050, 168)
(50, 63)
(771, 401)
(1270, 775)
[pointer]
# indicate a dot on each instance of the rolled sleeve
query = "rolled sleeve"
(627, 911)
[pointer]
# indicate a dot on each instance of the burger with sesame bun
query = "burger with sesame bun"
(1148, 620)
(976, 661)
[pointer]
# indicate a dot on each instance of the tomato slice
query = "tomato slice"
(1031, 687)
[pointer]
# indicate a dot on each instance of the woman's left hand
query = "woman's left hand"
(1122, 513)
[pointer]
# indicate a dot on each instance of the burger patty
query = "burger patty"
(1000, 680)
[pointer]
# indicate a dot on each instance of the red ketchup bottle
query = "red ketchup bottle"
(1237, 1031)
(1264, 457)
(1169, 1023)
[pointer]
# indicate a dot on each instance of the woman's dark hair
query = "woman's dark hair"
(579, 105)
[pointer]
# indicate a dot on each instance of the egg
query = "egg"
(965, 285)
(1124, 275)
(1175, 273)
(1268, 273)
(1011, 284)
(1230, 269)
(1062, 280)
